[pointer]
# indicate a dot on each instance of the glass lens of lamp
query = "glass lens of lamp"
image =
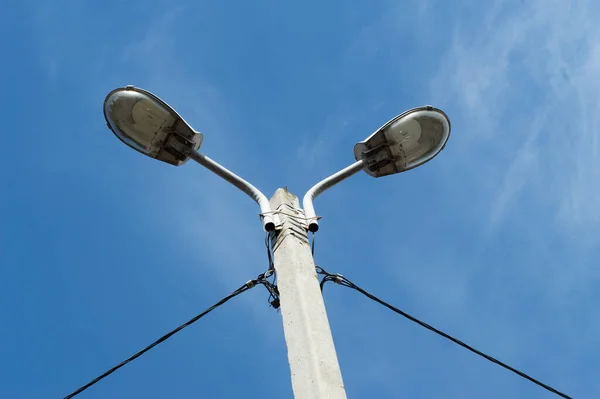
(417, 138)
(137, 119)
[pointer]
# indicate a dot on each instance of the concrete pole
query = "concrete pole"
(311, 353)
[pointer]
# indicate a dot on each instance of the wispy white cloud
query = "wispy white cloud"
(522, 89)
(519, 171)
(529, 76)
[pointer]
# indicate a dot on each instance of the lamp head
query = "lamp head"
(407, 141)
(149, 125)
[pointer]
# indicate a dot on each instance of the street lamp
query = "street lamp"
(405, 142)
(149, 125)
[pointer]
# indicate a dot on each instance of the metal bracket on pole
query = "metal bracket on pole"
(295, 225)
(269, 219)
(307, 201)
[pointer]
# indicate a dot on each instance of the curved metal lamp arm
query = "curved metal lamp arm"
(266, 214)
(307, 201)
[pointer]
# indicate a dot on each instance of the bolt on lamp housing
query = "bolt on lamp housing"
(407, 141)
(149, 125)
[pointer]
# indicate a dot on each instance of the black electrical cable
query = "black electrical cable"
(271, 286)
(269, 251)
(245, 287)
(347, 283)
(273, 299)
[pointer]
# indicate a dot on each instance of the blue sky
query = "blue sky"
(496, 241)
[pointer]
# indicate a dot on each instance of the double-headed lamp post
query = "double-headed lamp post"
(149, 125)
